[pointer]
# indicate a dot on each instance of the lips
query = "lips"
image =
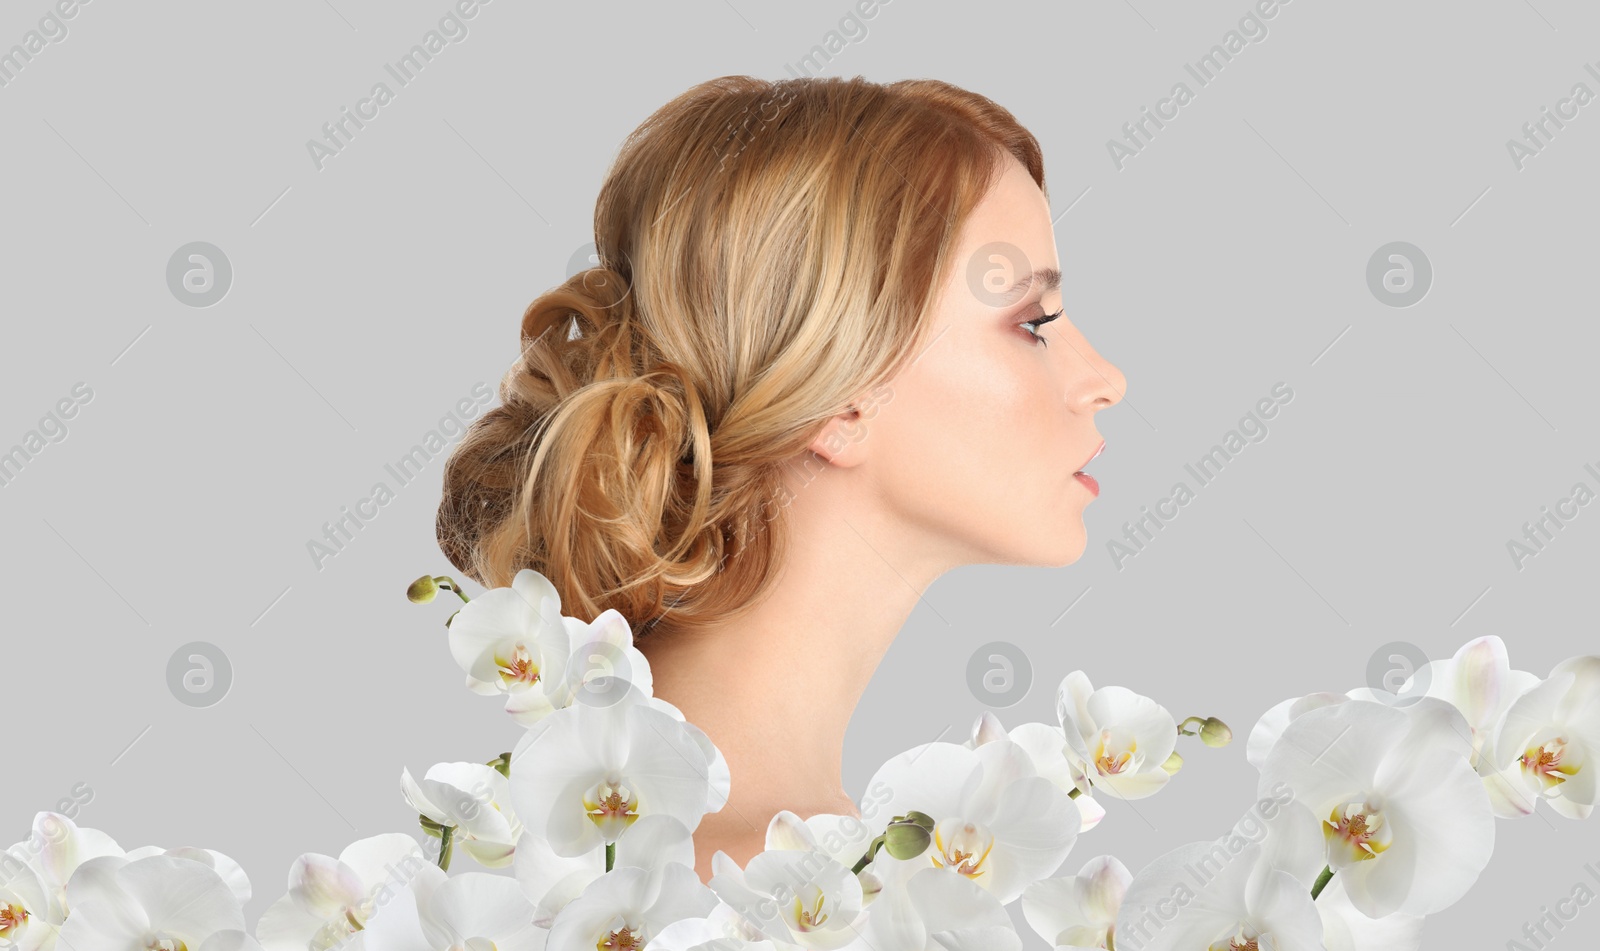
(1098, 450)
(1088, 481)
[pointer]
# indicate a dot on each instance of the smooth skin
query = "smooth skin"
(969, 459)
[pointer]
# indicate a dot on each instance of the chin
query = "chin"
(1071, 550)
(1057, 550)
(1067, 542)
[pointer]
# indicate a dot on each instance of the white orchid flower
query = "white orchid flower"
(1046, 747)
(1478, 681)
(601, 657)
(472, 911)
(1272, 723)
(475, 800)
(1406, 821)
(234, 940)
(1079, 911)
(26, 922)
(628, 907)
(226, 868)
(718, 776)
(797, 898)
(1295, 843)
(923, 908)
(1043, 744)
(551, 880)
(158, 901)
(1116, 739)
(1548, 745)
(55, 847)
(1190, 899)
(722, 929)
(996, 821)
(844, 839)
(582, 775)
(330, 899)
(515, 641)
(1346, 928)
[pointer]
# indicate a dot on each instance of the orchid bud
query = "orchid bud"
(1215, 733)
(422, 590)
(920, 818)
(1173, 763)
(906, 840)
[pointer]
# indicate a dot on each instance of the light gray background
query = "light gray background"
(370, 296)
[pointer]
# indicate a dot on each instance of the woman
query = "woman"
(811, 375)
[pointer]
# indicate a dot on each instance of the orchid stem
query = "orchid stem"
(611, 855)
(449, 584)
(872, 849)
(1322, 880)
(444, 847)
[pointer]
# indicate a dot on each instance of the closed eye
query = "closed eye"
(1034, 325)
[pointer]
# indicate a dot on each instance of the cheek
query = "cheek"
(974, 436)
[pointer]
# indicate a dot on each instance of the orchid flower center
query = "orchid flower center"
(810, 910)
(622, 939)
(1111, 757)
(962, 846)
(1240, 940)
(1355, 832)
(336, 931)
(613, 806)
(520, 668)
(1546, 762)
(161, 941)
(12, 917)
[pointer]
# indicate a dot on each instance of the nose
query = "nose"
(1093, 382)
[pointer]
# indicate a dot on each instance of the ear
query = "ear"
(842, 441)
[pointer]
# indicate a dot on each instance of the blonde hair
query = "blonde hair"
(769, 250)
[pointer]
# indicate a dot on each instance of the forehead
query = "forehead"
(1010, 231)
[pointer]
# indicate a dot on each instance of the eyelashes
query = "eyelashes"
(1038, 322)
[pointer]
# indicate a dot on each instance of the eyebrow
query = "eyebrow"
(1048, 279)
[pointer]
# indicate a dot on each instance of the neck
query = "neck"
(775, 687)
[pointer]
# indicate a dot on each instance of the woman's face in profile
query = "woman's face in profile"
(983, 434)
